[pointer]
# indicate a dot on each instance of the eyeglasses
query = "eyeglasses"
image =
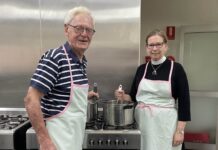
(81, 29)
(157, 45)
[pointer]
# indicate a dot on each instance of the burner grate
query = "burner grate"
(99, 124)
(129, 127)
(13, 124)
(8, 122)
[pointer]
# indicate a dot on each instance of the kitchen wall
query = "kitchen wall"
(159, 14)
(20, 47)
(30, 27)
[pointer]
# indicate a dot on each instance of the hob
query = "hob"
(98, 135)
(13, 125)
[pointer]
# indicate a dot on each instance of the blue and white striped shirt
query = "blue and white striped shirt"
(52, 77)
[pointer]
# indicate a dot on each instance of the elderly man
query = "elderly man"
(56, 100)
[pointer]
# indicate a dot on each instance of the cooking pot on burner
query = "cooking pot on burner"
(118, 113)
(92, 110)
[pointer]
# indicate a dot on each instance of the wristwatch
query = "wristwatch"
(180, 131)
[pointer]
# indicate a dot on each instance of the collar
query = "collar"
(158, 62)
(73, 55)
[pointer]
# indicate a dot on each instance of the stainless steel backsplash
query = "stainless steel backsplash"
(30, 27)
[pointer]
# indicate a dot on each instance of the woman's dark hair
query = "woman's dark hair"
(156, 32)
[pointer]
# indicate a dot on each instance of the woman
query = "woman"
(160, 88)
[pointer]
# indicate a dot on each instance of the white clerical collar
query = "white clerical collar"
(160, 61)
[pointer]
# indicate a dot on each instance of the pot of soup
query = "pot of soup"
(118, 113)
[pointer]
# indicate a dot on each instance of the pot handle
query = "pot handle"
(128, 107)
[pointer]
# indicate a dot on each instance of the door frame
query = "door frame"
(193, 29)
(206, 94)
(196, 29)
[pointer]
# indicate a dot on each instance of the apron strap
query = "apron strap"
(142, 105)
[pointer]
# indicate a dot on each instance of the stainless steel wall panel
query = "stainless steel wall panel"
(36, 26)
(19, 49)
(114, 52)
(113, 55)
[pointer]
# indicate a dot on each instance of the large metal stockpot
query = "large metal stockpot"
(92, 110)
(118, 113)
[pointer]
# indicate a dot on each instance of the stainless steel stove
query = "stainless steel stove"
(31, 140)
(13, 124)
(98, 135)
(111, 137)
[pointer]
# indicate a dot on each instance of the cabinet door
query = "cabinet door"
(200, 60)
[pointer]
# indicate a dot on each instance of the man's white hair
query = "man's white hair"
(75, 11)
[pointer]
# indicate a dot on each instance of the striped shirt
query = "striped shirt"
(52, 77)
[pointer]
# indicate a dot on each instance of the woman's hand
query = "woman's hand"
(119, 94)
(178, 137)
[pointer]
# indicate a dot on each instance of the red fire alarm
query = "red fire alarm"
(170, 32)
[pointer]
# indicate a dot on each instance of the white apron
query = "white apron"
(67, 128)
(156, 113)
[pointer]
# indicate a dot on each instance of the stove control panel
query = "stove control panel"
(112, 139)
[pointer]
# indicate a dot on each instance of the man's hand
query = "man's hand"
(92, 94)
(47, 145)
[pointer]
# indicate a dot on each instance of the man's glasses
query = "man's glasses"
(157, 45)
(81, 29)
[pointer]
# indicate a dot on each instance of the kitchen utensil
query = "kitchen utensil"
(92, 108)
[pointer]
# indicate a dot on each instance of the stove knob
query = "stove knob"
(100, 142)
(117, 142)
(108, 142)
(91, 142)
(125, 142)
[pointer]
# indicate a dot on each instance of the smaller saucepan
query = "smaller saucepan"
(92, 110)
